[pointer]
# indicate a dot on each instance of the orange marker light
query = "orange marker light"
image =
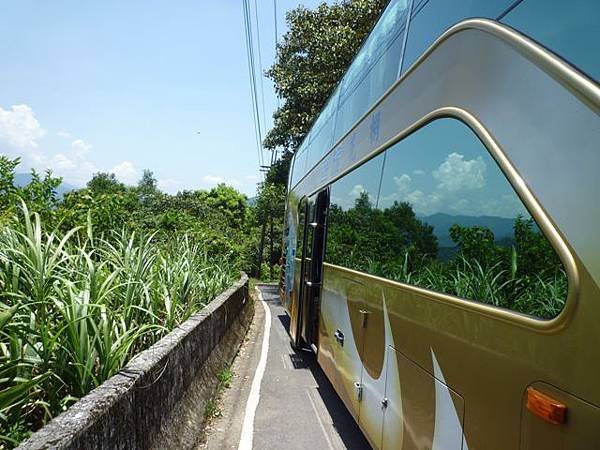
(546, 407)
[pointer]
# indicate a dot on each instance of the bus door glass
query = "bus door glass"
(296, 292)
(313, 264)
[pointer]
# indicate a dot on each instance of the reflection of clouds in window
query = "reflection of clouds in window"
(507, 205)
(404, 192)
(403, 183)
(356, 191)
(458, 186)
(349, 200)
(461, 206)
(456, 173)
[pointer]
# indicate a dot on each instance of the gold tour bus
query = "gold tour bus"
(442, 231)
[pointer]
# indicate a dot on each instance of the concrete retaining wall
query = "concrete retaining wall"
(158, 400)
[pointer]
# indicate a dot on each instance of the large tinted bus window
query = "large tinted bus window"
(299, 165)
(321, 134)
(350, 242)
(569, 29)
(432, 18)
(447, 219)
(375, 68)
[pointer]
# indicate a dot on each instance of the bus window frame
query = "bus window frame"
(530, 202)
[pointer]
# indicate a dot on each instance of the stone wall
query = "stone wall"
(158, 399)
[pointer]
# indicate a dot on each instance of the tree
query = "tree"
(310, 61)
(227, 202)
(147, 187)
(104, 182)
(476, 243)
(270, 208)
(8, 190)
(40, 193)
(381, 241)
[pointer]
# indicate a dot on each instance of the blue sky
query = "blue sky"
(126, 85)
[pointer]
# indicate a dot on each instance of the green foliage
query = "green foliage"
(40, 193)
(8, 190)
(88, 281)
(104, 210)
(105, 183)
(147, 187)
(228, 203)
(268, 217)
(75, 307)
(393, 239)
(310, 61)
(476, 243)
(395, 244)
(225, 376)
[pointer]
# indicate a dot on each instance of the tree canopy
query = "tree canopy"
(311, 59)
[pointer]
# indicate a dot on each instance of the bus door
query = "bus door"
(309, 288)
(298, 266)
(313, 269)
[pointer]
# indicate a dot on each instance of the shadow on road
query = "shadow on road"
(343, 421)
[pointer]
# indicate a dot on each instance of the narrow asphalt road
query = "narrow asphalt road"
(297, 406)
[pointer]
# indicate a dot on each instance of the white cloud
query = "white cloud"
(252, 177)
(507, 205)
(403, 182)
(60, 161)
(126, 172)
(21, 135)
(456, 173)
(213, 179)
(422, 203)
(356, 191)
(418, 172)
(80, 147)
(19, 129)
(169, 185)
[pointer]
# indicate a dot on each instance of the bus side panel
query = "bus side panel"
(345, 369)
(482, 363)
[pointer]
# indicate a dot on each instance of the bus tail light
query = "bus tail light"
(546, 407)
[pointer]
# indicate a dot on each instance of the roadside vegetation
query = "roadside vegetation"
(90, 280)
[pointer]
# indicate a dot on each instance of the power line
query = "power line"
(260, 66)
(252, 77)
(275, 22)
(274, 151)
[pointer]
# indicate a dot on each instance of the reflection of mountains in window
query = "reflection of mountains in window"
(500, 261)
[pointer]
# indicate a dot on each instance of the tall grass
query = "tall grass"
(542, 295)
(74, 308)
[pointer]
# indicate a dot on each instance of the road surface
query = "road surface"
(293, 405)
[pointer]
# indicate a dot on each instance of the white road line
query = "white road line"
(248, 426)
(312, 403)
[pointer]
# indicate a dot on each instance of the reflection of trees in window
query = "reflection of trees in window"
(378, 241)
(524, 275)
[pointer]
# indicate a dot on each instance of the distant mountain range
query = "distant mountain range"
(23, 179)
(502, 227)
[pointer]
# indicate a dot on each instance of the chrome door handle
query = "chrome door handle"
(339, 337)
(312, 283)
